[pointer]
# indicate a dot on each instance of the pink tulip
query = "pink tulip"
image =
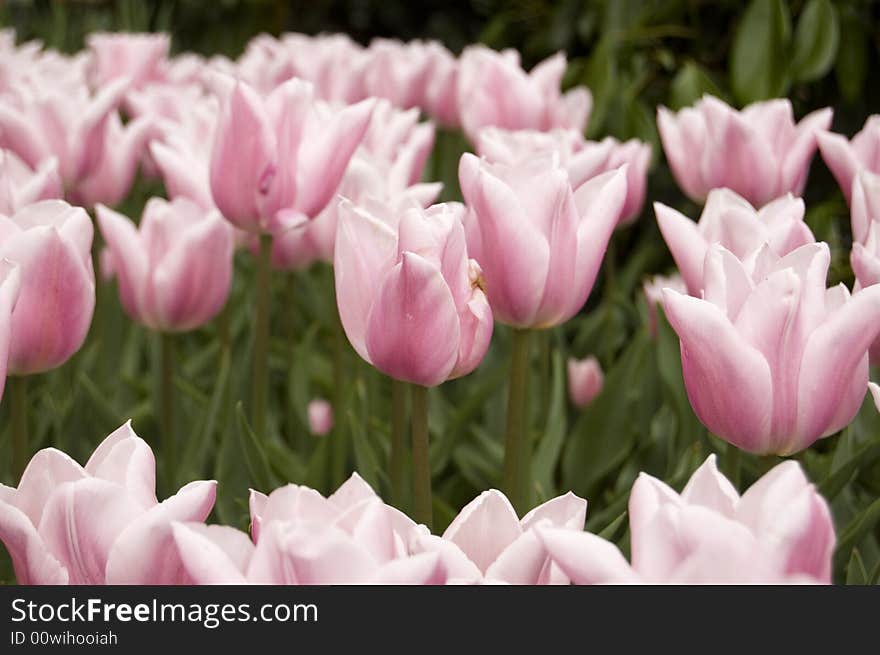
(547, 240)
(441, 89)
(113, 176)
(175, 268)
(385, 168)
(773, 361)
(493, 90)
(730, 220)
(138, 57)
(409, 298)
(42, 118)
(585, 380)
(334, 63)
(320, 417)
(581, 158)
(278, 160)
(10, 284)
(488, 543)
(301, 537)
(865, 256)
(759, 152)
(182, 153)
(847, 158)
(68, 524)
(51, 242)
(653, 292)
(779, 531)
(20, 185)
(397, 71)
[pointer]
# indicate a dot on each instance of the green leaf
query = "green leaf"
(855, 570)
(546, 456)
(601, 77)
(254, 454)
(857, 528)
(851, 68)
(690, 84)
(759, 56)
(815, 41)
(863, 457)
(197, 447)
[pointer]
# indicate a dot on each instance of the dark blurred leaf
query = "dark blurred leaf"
(851, 68)
(601, 77)
(759, 56)
(815, 41)
(690, 84)
(855, 570)
(850, 536)
(546, 456)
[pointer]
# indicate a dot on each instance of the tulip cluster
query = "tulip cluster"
(101, 524)
(309, 150)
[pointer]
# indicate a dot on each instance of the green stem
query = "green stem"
(422, 502)
(18, 392)
(261, 337)
(517, 458)
(169, 447)
(397, 464)
(339, 443)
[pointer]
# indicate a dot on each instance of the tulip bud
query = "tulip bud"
(320, 417)
(759, 152)
(175, 269)
(547, 240)
(585, 381)
(51, 242)
(772, 361)
(409, 299)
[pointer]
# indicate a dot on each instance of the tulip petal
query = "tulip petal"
(31, 559)
(422, 569)
(708, 488)
(413, 332)
(484, 528)
(685, 243)
(585, 558)
(715, 359)
(126, 459)
(566, 511)
(212, 554)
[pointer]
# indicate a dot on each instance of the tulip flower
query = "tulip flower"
(847, 158)
(488, 543)
(397, 71)
(334, 63)
(20, 185)
(411, 304)
(547, 242)
(585, 380)
(320, 417)
(386, 168)
(653, 292)
(301, 537)
(175, 268)
(174, 272)
(730, 220)
(865, 261)
(137, 57)
(42, 118)
(10, 284)
(772, 361)
(98, 524)
(547, 239)
(441, 88)
(410, 299)
(278, 160)
(581, 158)
(51, 241)
(759, 152)
(493, 90)
(779, 531)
